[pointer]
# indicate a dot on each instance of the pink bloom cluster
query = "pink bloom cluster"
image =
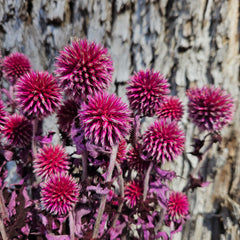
(105, 169)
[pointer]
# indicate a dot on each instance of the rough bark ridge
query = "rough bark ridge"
(190, 42)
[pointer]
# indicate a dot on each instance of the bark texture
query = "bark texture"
(190, 42)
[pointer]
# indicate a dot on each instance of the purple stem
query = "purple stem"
(3, 216)
(104, 197)
(34, 147)
(146, 181)
(71, 225)
(121, 180)
(84, 165)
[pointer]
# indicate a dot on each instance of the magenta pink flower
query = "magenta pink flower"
(136, 160)
(163, 141)
(210, 108)
(2, 115)
(51, 160)
(38, 94)
(171, 108)
(133, 192)
(177, 206)
(15, 65)
(59, 194)
(84, 68)
(18, 130)
(66, 114)
(105, 119)
(146, 91)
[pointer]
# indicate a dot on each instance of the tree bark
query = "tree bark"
(191, 42)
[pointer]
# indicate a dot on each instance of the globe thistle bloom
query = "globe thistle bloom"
(163, 141)
(2, 115)
(146, 91)
(171, 108)
(15, 65)
(105, 119)
(51, 160)
(38, 94)
(133, 192)
(136, 160)
(59, 194)
(84, 68)
(66, 114)
(18, 130)
(177, 206)
(210, 108)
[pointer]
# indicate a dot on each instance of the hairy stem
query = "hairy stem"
(146, 181)
(104, 198)
(84, 165)
(122, 194)
(3, 216)
(34, 147)
(2, 230)
(71, 225)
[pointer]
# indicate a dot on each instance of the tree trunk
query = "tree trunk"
(190, 42)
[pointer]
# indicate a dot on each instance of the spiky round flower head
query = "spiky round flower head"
(146, 90)
(2, 115)
(59, 194)
(105, 119)
(133, 192)
(51, 160)
(15, 65)
(136, 160)
(163, 140)
(171, 108)
(66, 114)
(177, 206)
(38, 94)
(210, 108)
(18, 130)
(84, 68)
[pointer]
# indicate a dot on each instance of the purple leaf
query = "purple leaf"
(163, 236)
(160, 190)
(45, 139)
(78, 221)
(165, 175)
(115, 232)
(98, 189)
(57, 237)
(28, 201)
(12, 204)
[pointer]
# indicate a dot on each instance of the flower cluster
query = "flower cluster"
(101, 173)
